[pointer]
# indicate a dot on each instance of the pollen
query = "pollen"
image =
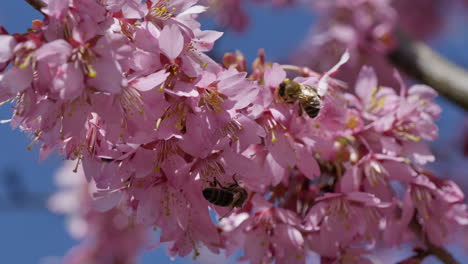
(24, 55)
(167, 207)
(377, 103)
(213, 100)
(210, 169)
(132, 102)
(86, 57)
(270, 125)
(35, 140)
(91, 72)
(230, 130)
(160, 10)
(177, 114)
(196, 55)
(273, 137)
(75, 170)
(352, 122)
(164, 149)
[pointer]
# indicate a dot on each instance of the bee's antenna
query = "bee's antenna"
(216, 182)
(234, 178)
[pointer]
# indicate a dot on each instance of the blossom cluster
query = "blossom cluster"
(125, 89)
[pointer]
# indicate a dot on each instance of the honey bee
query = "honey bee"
(309, 99)
(232, 195)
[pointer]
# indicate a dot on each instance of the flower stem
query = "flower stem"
(303, 71)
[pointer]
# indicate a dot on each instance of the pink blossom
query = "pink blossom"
(371, 175)
(268, 233)
(438, 207)
(334, 221)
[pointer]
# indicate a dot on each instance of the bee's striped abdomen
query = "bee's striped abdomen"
(218, 196)
(311, 106)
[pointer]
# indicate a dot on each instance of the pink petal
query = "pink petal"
(351, 180)
(16, 80)
(146, 38)
(289, 234)
(108, 76)
(274, 75)
(56, 51)
(398, 171)
(307, 164)
(171, 41)
(69, 83)
(196, 9)
(108, 201)
(366, 83)
(151, 81)
(282, 151)
(206, 39)
(276, 170)
(134, 9)
(418, 151)
(55, 8)
(7, 44)
(237, 88)
(365, 198)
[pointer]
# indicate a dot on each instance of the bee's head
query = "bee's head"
(208, 193)
(282, 89)
(289, 90)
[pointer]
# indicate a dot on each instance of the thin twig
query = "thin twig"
(440, 252)
(421, 62)
(37, 4)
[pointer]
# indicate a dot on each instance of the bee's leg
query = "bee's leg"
(226, 214)
(300, 111)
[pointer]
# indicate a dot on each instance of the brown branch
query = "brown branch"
(37, 4)
(419, 256)
(441, 253)
(420, 62)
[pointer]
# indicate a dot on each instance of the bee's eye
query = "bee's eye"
(281, 90)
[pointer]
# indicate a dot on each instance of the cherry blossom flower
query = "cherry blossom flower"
(333, 226)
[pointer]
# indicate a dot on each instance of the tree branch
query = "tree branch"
(422, 63)
(37, 4)
(441, 253)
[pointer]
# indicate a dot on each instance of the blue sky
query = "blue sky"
(31, 233)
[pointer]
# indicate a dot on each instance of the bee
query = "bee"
(231, 196)
(309, 99)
